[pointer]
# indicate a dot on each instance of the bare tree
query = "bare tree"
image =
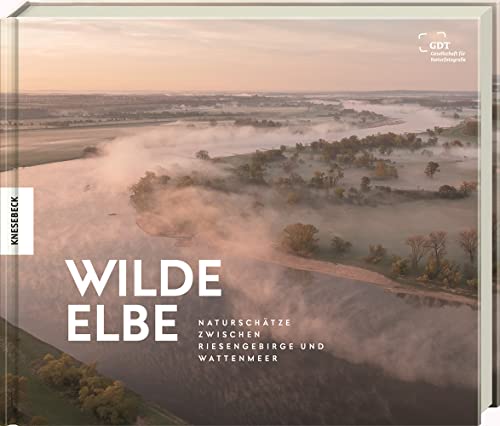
(468, 241)
(418, 248)
(436, 243)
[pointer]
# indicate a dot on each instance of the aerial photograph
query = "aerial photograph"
(331, 167)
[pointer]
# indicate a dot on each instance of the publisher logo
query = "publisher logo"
(16, 221)
(438, 48)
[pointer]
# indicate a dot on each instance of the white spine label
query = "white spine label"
(16, 221)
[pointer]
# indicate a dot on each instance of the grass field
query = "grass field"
(25, 351)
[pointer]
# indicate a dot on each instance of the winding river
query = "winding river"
(397, 360)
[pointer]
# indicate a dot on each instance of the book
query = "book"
(248, 214)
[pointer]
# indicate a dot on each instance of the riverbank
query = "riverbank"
(338, 270)
(39, 146)
(56, 405)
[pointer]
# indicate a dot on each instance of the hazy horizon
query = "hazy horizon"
(241, 56)
(241, 92)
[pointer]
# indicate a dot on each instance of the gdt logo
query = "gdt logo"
(433, 41)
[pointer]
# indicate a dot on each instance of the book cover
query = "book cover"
(240, 220)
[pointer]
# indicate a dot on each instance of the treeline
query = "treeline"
(428, 102)
(12, 395)
(345, 149)
(294, 189)
(109, 401)
(301, 239)
(257, 123)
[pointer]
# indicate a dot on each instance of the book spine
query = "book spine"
(496, 209)
(496, 238)
(9, 160)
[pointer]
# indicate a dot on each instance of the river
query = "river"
(386, 359)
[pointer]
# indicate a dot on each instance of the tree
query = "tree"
(377, 253)
(449, 192)
(15, 392)
(335, 174)
(108, 400)
(365, 184)
(472, 283)
(185, 181)
(289, 165)
(339, 192)
(252, 172)
(63, 372)
(163, 180)
(471, 128)
(436, 243)
(202, 155)
(431, 169)
(293, 197)
(109, 403)
(467, 187)
(340, 246)
(400, 266)
(299, 239)
(380, 169)
(299, 147)
(91, 151)
(450, 274)
(385, 171)
(385, 150)
(418, 247)
(468, 242)
(365, 160)
(141, 192)
(318, 180)
(447, 146)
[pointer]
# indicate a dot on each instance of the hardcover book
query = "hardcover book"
(247, 214)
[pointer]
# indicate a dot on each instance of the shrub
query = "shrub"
(91, 151)
(340, 246)
(293, 198)
(400, 266)
(203, 155)
(449, 192)
(377, 253)
(299, 239)
(446, 273)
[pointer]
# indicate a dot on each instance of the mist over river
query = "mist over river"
(412, 118)
(185, 138)
(397, 360)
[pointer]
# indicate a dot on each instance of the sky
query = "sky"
(241, 55)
